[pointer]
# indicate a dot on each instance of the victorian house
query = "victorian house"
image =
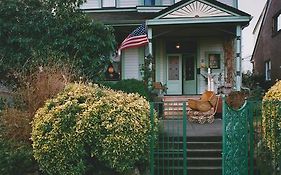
(188, 40)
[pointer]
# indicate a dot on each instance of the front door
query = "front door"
(189, 74)
(174, 74)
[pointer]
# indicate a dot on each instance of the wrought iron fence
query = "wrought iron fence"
(261, 133)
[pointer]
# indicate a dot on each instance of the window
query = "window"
(149, 2)
(268, 70)
(108, 3)
(277, 23)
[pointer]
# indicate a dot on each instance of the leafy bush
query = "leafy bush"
(130, 86)
(271, 119)
(16, 158)
(87, 125)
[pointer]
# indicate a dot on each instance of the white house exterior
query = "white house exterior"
(185, 39)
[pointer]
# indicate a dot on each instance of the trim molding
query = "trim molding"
(232, 19)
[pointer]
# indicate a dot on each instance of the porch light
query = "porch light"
(178, 46)
(110, 69)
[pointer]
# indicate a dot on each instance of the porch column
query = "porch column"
(238, 73)
(149, 35)
(149, 57)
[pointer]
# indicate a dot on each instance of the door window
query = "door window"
(173, 68)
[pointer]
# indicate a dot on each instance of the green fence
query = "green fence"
(168, 155)
(251, 139)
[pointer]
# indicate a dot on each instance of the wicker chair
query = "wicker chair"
(204, 109)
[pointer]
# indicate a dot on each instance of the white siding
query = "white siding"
(90, 4)
(128, 3)
(130, 61)
(228, 2)
(160, 63)
(205, 46)
(167, 2)
(108, 3)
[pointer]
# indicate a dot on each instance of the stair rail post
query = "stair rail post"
(151, 139)
(184, 139)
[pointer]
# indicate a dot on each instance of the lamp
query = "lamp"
(110, 69)
(178, 45)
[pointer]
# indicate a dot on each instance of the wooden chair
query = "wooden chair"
(203, 109)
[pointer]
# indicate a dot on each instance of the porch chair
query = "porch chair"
(203, 109)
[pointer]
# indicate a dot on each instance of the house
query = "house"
(267, 53)
(186, 39)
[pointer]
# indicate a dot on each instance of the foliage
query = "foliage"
(30, 30)
(129, 86)
(271, 119)
(264, 159)
(86, 126)
(16, 158)
(252, 82)
(35, 88)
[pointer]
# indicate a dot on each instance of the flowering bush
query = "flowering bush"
(271, 119)
(86, 124)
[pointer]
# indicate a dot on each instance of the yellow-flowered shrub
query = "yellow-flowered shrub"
(271, 119)
(86, 124)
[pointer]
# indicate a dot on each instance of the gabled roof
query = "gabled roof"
(199, 11)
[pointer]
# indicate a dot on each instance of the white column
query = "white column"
(238, 73)
(149, 35)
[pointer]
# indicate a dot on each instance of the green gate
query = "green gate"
(235, 140)
(169, 154)
(241, 132)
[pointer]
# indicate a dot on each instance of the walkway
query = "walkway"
(174, 127)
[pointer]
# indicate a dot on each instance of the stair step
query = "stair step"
(191, 162)
(190, 145)
(191, 139)
(190, 153)
(190, 171)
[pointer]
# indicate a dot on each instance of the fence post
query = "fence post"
(152, 138)
(184, 139)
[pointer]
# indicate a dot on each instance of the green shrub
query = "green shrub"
(16, 158)
(271, 119)
(87, 125)
(130, 86)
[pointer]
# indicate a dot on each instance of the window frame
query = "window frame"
(267, 70)
(276, 26)
(102, 4)
(151, 3)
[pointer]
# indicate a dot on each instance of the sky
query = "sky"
(254, 8)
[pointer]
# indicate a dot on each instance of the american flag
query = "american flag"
(136, 39)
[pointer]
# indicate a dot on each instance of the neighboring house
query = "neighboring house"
(267, 53)
(185, 39)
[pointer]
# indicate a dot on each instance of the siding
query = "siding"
(108, 3)
(130, 61)
(128, 3)
(205, 46)
(90, 4)
(228, 2)
(167, 2)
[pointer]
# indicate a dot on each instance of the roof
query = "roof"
(199, 11)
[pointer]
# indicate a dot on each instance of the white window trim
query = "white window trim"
(278, 21)
(268, 70)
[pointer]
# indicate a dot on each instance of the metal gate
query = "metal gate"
(169, 155)
(241, 134)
